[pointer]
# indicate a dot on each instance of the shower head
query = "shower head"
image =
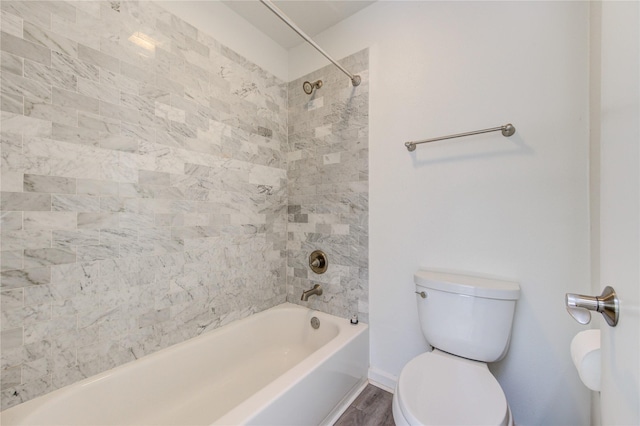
(310, 87)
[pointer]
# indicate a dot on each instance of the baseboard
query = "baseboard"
(382, 379)
(345, 403)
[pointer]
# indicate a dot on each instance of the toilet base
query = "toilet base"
(398, 417)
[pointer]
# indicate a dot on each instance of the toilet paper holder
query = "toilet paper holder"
(579, 306)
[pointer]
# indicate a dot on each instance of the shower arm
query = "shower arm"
(355, 79)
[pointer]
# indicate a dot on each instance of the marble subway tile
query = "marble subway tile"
(81, 274)
(11, 338)
(91, 253)
(146, 177)
(96, 187)
(168, 219)
(16, 317)
(12, 259)
(49, 184)
(18, 201)
(119, 167)
(135, 221)
(82, 29)
(34, 258)
(11, 221)
(24, 392)
(65, 10)
(24, 278)
(28, 11)
(69, 99)
(132, 190)
(142, 133)
(128, 115)
(82, 237)
(11, 24)
(75, 203)
(137, 103)
(119, 81)
(154, 317)
(118, 205)
(25, 49)
(11, 63)
(69, 65)
(170, 113)
(37, 332)
(32, 371)
(20, 240)
(97, 220)
(50, 77)
(11, 299)
(104, 125)
(10, 377)
(135, 73)
(11, 103)
(74, 158)
(49, 220)
(45, 111)
(98, 91)
(97, 58)
(26, 353)
(19, 86)
(51, 40)
(119, 143)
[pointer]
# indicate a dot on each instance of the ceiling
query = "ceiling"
(312, 16)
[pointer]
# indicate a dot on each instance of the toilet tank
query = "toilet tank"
(465, 315)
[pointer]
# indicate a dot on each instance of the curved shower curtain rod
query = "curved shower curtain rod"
(355, 79)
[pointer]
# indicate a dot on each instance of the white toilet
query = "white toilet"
(468, 322)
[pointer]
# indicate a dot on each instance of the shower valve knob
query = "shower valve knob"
(318, 262)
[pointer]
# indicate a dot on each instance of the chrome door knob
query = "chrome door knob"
(607, 304)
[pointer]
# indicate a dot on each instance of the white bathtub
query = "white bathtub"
(271, 368)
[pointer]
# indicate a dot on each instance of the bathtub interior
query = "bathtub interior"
(200, 380)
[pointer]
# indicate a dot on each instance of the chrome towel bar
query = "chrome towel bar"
(507, 130)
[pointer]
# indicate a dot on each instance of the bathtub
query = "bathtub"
(271, 368)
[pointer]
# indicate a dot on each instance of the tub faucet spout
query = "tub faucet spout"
(317, 290)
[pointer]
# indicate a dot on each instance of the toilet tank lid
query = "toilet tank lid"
(470, 285)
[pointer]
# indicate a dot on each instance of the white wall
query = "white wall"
(514, 207)
(226, 26)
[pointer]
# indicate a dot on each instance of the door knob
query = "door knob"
(607, 304)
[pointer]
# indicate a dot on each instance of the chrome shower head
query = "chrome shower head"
(310, 87)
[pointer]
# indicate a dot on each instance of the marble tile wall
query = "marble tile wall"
(328, 188)
(144, 191)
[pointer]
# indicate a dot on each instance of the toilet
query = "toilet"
(467, 320)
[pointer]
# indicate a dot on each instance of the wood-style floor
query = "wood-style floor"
(371, 408)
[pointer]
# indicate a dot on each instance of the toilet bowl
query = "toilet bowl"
(437, 388)
(468, 321)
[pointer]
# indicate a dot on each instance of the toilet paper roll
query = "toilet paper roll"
(585, 353)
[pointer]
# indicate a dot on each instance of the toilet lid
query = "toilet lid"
(440, 389)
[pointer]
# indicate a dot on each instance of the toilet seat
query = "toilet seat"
(436, 388)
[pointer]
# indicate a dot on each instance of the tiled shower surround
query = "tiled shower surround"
(157, 185)
(328, 188)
